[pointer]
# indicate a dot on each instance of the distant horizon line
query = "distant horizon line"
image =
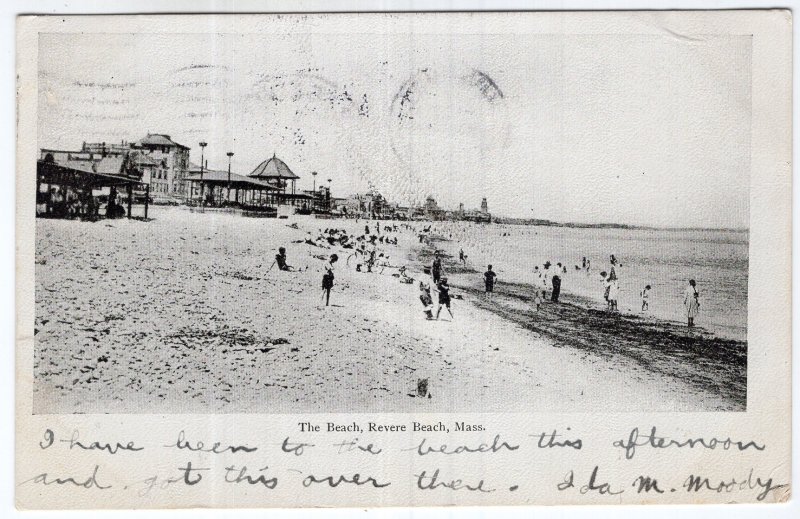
(605, 225)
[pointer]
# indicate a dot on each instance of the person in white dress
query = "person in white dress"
(613, 295)
(691, 302)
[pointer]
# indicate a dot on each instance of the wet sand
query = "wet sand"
(693, 356)
(180, 314)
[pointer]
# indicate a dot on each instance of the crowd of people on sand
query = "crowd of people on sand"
(67, 202)
(367, 253)
(434, 293)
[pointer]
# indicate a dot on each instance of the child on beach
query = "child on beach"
(645, 297)
(327, 278)
(444, 297)
(539, 281)
(280, 259)
(404, 278)
(537, 296)
(426, 299)
(613, 294)
(371, 258)
(488, 279)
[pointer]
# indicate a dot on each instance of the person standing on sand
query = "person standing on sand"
(488, 279)
(461, 257)
(327, 278)
(645, 298)
(546, 272)
(371, 258)
(556, 281)
(436, 268)
(537, 282)
(691, 302)
(444, 297)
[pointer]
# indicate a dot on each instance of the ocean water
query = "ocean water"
(665, 259)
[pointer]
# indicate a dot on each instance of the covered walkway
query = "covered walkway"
(220, 189)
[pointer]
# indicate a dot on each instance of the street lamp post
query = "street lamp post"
(329, 194)
(228, 198)
(314, 190)
(202, 166)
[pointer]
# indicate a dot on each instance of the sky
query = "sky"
(639, 129)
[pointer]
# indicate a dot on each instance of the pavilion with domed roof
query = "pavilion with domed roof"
(276, 173)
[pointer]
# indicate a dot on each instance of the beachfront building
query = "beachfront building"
(103, 148)
(431, 210)
(368, 205)
(430, 205)
(174, 160)
(87, 185)
(349, 205)
(375, 204)
(481, 215)
(164, 162)
(319, 200)
(474, 215)
(402, 212)
(340, 205)
(154, 173)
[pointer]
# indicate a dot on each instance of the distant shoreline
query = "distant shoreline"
(549, 223)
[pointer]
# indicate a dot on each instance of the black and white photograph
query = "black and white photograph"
(258, 223)
(403, 259)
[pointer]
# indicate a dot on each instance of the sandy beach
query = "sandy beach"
(181, 314)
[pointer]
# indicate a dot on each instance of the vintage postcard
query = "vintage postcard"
(323, 260)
